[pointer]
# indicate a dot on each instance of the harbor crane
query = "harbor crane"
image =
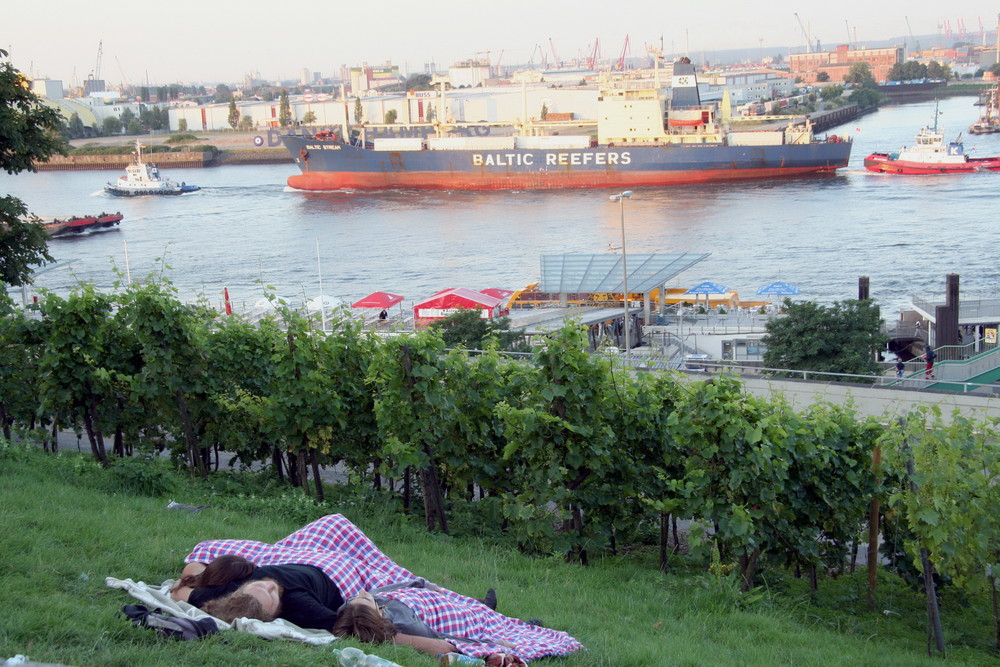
(555, 55)
(916, 44)
(806, 35)
(621, 58)
(595, 54)
(96, 73)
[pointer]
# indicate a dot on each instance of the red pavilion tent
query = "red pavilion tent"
(450, 301)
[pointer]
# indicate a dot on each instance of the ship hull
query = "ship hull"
(884, 163)
(143, 192)
(332, 165)
(75, 226)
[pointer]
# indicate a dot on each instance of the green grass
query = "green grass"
(64, 529)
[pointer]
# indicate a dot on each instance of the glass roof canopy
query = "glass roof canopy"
(569, 274)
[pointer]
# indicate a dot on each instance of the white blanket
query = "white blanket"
(159, 596)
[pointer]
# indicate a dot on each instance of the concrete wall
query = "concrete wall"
(881, 402)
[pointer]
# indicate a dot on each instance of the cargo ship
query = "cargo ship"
(642, 139)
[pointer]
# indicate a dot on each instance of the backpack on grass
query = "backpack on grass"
(176, 627)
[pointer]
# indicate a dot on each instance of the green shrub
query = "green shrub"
(93, 149)
(181, 139)
(204, 148)
(141, 476)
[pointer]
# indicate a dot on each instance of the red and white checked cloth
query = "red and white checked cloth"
(353, 562)
(460, 616)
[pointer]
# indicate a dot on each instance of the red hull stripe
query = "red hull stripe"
(319, 181)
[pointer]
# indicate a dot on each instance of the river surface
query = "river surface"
(246, 227)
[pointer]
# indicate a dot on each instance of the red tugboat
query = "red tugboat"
(79, 225)
(930, 155)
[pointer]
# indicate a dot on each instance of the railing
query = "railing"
(916, 381)
(967, 309)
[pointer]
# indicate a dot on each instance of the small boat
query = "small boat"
(930, 155)
(989, 117)
(143, 178)
(79, 225)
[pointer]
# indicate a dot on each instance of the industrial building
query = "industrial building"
(837, 63)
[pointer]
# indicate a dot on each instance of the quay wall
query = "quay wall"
(168, 160)
(162, 160)
(824, 120)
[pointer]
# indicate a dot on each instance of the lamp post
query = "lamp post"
(620, 198)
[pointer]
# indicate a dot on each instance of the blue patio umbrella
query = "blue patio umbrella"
(708, 287)
(778, 288)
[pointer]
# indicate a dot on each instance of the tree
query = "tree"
(860, 74)
(359, 112)
(134, 127)
(284, 110)
(866, 97)
(29, 132)
(418, 82)
(466, 329)
(544, 113)
(112, 125)
(234, 114)
(831, 92)
(75, 127)
(390, 116)
(936, 70)
(823, 77)
(246, 123)
(182, 125)
(841, 338)
(309, 118)
(222, 93)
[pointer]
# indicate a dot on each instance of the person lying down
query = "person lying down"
(330, 575)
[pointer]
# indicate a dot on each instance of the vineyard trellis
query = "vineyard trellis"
(576, 453)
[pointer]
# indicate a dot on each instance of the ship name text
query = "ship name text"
(551, 159)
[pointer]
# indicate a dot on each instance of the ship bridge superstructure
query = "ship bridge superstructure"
(635, 111)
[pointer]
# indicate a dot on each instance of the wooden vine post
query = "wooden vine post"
(873, 531)
(933, 612)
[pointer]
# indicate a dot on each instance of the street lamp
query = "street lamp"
(620, 198)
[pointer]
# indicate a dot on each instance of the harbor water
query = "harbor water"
(245, 228)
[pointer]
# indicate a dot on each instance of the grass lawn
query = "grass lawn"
(65, 528)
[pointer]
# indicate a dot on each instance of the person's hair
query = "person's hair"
(365, 623)
(237, 605)
(222, 570)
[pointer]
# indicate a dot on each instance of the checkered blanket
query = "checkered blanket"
(353, 562)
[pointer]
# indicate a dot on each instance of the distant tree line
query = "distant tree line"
(913, 71)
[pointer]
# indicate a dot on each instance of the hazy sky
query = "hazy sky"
(211, 40)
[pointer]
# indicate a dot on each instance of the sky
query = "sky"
(213, 41)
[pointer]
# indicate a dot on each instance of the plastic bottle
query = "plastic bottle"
(350, 656)
(355, 657)
(372, 660)
(447, 659)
